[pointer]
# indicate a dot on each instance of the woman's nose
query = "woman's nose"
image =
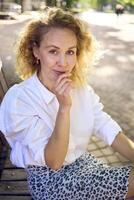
(62, 61)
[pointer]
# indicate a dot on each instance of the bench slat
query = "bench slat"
(15, 197)
(19, 187)
(3, 82)
(11, 174)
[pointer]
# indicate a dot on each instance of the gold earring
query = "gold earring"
(37, 61)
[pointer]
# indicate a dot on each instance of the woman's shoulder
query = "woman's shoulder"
(17, 91)
(12, 92)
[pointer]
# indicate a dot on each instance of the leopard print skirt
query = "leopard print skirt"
(85, 179)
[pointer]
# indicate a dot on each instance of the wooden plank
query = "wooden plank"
(14, 187)
(13, 181)
(3, 82)
(13, 174)
(15, 198)
(3, 143)
(8, 164)
(3, 152)
(1, 93)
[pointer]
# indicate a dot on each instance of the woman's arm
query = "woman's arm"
(124, 146)
(57, 146)
(56, 149)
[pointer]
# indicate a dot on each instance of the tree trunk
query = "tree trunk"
(50, 3)
(1, 5)
(26, 5)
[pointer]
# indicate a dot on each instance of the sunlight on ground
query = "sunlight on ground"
(106, 71)
(129, 33)
(8, 57)
(116, 46)
(131, 57)
(122, 59)
(122, 23)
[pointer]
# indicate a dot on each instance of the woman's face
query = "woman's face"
(57, 54)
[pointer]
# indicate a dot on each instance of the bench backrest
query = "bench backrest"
(3, 143)
(3, 83)
(13, 182)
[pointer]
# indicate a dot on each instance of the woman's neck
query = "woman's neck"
(45, 82)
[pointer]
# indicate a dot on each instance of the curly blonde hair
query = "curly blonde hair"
(26, 63)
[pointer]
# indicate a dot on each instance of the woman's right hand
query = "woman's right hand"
(62, 90)
(57, 146)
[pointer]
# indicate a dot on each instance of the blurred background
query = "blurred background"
(19, 6)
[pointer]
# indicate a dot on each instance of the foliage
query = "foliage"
(51, 3)
(98, 4)
(126, 2)
(70, 3)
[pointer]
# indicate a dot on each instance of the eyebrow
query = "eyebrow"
(50, 46)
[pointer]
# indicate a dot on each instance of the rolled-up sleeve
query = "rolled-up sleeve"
(104, 126)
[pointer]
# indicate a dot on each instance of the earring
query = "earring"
(37, 61)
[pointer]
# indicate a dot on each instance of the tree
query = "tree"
(98, 4)
(50, 3)
(1, 5)
(127, 2)
(26, 5)
(69, 3)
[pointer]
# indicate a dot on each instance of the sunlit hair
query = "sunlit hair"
(26, 63)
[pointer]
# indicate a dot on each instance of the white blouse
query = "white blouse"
(27, 119)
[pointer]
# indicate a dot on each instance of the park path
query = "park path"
(113, 76)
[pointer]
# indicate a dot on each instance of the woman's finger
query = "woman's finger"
(62, 83)
(63, 89)
(65, 75)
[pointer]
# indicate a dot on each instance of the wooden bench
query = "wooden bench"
(3, 83)
(13, 183)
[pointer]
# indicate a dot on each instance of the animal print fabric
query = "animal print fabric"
(85, 179)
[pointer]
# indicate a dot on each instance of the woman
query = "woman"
(49, 118)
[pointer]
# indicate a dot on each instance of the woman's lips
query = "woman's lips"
(60, 72)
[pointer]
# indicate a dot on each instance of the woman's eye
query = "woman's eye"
(53, 51)
(71, 52)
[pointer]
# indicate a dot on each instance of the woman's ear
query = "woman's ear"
(36, 51)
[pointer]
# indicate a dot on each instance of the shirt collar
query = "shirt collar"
(46, 94)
